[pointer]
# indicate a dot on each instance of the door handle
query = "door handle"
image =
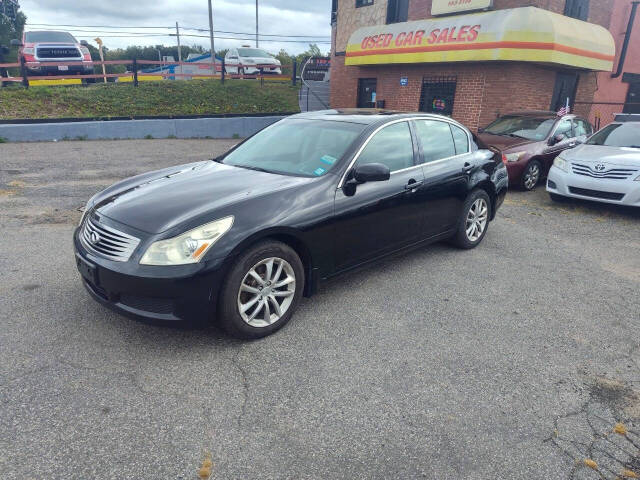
(412, 185)
(467, 168)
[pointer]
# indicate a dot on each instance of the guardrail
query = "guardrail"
(134, 71)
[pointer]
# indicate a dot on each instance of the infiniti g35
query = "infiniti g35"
(243, 237)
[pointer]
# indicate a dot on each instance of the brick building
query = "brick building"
(472, 59)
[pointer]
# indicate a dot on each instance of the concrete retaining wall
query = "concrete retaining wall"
(123, 129)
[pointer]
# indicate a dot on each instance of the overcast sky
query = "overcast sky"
(281, 17)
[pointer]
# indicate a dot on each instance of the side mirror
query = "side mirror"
(371, 172)
(84, 43)
(480, 130)
(16, 43)
(556, 139)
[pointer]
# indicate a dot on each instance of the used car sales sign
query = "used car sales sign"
(527, 34)
(443, 7)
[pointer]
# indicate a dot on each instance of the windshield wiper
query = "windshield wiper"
(516, 136)
(257, 169)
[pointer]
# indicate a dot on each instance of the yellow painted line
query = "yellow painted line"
(60, 81)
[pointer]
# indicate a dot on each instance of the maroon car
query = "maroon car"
(531, 141)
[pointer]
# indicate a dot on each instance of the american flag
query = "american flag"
(566, 110)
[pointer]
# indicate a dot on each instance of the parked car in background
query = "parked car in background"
(605, 169)
(532, 140)
(39, 47)
(248, 61)
(311, 196)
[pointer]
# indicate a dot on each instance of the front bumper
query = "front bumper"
(266, 70)
(55, 71)
(155, 293)
(568, 184)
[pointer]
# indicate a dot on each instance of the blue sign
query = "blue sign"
(404, 81)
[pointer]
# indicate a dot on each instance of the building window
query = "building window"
(363, 3)
(577, 9)
(397, 11)
(438, 94)
(566, 87)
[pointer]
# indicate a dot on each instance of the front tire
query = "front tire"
(474, 220)
(261, 291)
(531, 175)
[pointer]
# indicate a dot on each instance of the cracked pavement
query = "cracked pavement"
(515, 360)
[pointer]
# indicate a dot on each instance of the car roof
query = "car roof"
(365, 116)
(627, 117)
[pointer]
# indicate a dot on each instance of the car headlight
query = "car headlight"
(28, 51)
(562, 164)
(514, 157)
(190, 247)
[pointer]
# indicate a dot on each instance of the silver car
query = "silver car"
(605, 169)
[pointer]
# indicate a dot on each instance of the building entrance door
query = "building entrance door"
(367, 92)
(632, 104)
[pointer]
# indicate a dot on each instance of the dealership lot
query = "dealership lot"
(509, 361)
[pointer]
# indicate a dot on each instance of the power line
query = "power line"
(202, 36)
(168, 28)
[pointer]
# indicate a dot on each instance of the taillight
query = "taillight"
(504, 159)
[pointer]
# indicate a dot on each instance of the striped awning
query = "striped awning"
(527, 34)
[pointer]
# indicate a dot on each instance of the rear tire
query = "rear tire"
(474, 220)
(261, 291)
(531, 175)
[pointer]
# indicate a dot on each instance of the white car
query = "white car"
(605, 169)
(248, 61)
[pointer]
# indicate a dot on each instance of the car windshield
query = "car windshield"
(308, 148)
(53, 37)
(531, 128)
(253, 52)
(618, 135)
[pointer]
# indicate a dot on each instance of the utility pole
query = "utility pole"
(179, 52)
(213, 50)
(179, 48)
(257, 40)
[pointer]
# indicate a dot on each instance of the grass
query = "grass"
(195, 97)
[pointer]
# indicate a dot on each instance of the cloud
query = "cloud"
(282, 17)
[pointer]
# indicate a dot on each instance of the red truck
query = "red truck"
(49, 46)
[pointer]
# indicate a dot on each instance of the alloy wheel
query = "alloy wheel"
(532, 176)
(477, 219)
(266, 292)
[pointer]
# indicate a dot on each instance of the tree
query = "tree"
(10, 30)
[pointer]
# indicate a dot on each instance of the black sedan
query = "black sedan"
(244, 236)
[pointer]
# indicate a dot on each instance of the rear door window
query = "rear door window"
(436, 139)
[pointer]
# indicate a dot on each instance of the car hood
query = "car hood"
(600, 154)
(158, 201)
(502, 142)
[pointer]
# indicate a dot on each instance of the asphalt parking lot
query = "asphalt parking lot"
(514, 360)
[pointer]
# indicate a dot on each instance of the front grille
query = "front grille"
(107, 242)
(58, 52)
(613, 174)
(148, 304)
(596, 193)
